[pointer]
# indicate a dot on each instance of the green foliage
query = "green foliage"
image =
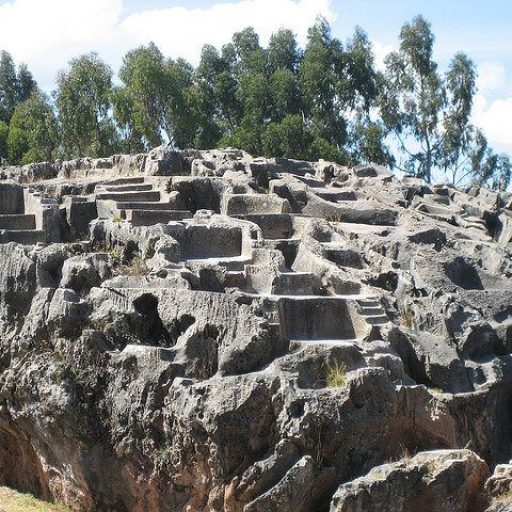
(283, 52)
(33, 133)
(429, 114)
(324, 101)
(143, 96)
(367, 143)
(25, 84)
(8, 86)
(288, 138)
(4, 134)
(182, 104)
(15, 86)
(124, 116)
(83, 100)
(321, 70)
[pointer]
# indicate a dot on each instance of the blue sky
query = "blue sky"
(47, 33)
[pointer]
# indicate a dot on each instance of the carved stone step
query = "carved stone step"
(17, 221)
(136, 187)
(274, 226)
(151, 217)
(151, 195)
(127, 180)
(146, 205)
(23, 236)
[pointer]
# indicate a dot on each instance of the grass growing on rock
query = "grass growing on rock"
(336, 376)
(13, 501)
(136, 267)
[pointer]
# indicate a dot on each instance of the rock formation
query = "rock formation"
(206, 331)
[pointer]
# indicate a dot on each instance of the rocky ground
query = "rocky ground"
(204, 331)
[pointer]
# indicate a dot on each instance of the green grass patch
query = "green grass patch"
(13, 501)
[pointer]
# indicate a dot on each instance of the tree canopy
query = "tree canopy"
(325, 100)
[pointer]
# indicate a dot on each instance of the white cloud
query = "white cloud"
(491, 77)
(495, 118)
(181, 32)
(380, 52)
(45, 34)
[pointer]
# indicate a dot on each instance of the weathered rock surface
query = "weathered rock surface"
(203, 331)
(443, 480)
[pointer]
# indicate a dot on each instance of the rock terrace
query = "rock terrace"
(207, 331)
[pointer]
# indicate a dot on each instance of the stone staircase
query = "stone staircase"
(371, 311)
(15, 224)
(139, 202)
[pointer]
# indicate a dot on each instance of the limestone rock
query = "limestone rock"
(208, 331)
(445, 480)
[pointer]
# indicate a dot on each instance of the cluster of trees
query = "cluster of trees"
(326, 100)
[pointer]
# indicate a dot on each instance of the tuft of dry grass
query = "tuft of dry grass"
(335, 376)
(13, 501)
(137, 267)
(134, 267)
(408, 318)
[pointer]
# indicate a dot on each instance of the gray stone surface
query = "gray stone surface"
(205, 331)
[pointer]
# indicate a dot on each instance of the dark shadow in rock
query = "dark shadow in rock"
(180, 325)
(385, 280)
(153, 330)
(461, 273)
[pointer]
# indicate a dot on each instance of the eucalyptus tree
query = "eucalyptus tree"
(283, 75)
(25, 83)
(145, 90)
(33, 131)
(15, 85)
(123, 107)
(483, 167)
(360, 86)
(182, 104)
(283, 52)
(220, 109)
(428, 113)
(246, 62)
(339, 90)
(4, 134)
(83, 101)
(321, 67)
(8, 86)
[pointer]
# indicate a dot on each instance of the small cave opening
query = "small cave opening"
(153, 331)
(20, 467)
